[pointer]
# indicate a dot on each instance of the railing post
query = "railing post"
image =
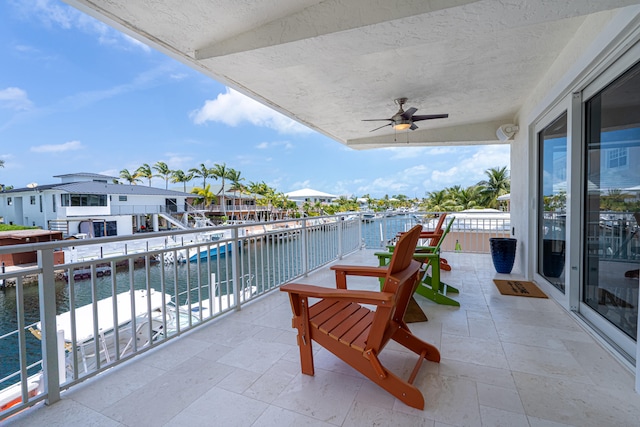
(47, 294)
(305, 248)
(360, 238)
(235, 266)
(340, 233)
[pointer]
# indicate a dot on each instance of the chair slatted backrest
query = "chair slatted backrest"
(438, 230)
(444, 234)
(402, 280)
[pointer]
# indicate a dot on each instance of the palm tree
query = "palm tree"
(145, 171)
(236, 184)
(180, 176)
(1, 163)
(205, 196)
(468, 198)
(437, 201)
(163, 172)
(220, 171)
(496, 184)
(262, 189)
(204, 172)
(131, 178)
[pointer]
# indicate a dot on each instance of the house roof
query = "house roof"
(331, 64)
(89, 175)
(95, 187)
(309, 193)
(28, 233)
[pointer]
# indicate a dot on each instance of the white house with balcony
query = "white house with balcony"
(92, 205)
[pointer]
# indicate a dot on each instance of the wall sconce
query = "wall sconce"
(506, 132)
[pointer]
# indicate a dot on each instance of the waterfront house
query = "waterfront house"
(91, 205)
(232, 205)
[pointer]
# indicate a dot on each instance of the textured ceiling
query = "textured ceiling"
(333, 63)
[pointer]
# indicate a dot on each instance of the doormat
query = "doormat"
(519, 288)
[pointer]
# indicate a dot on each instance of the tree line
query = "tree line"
(204, 195)
(484, 194)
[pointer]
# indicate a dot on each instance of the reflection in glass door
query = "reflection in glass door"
(552, 143)
(612, 202)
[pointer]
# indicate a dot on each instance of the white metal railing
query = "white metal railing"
(134, 293)
(116, 297)
(614, 235)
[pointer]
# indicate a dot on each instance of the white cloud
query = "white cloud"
(178, 160)
(489, 156)
(233, 109)
(418, 171)
(57, 148)
(54, 14)
(15, 99)
(381, 186)
(447, 177)
(469, 168)
(110, 172)
(301, 184)
(273, 144)
(401, 153)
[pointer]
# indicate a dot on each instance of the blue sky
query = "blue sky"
(79, 96)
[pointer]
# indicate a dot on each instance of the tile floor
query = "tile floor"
(506, 361)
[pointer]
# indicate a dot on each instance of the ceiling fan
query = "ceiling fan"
(403, 120)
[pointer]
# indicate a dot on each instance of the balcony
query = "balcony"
(505, 361)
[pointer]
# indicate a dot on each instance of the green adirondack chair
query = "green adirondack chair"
(430, 287)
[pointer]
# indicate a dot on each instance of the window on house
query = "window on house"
(122, 198)
(32, 200)
(53, 201)
(9, 201)
(83, 200)
(617, 157)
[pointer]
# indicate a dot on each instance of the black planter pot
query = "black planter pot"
(503, 253)
(553, 257)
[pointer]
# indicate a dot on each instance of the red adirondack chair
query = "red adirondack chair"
(340, 323)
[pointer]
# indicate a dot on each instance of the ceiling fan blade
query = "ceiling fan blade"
(376, 120)
(410, 112)
(388, 124)
(429, 117)
(413, 126)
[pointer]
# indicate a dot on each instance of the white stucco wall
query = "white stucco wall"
(590, 50)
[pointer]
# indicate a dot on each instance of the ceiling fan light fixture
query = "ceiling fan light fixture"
(402, 125)
(405, 120)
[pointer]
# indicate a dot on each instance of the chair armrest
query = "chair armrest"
(360, 296)
(422, 249)
(423, 256)
(342, 271)
(419, 256)
(431, 234)
(360, 270)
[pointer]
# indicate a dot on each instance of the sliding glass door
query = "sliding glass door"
(612, 203)
(552, 197)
